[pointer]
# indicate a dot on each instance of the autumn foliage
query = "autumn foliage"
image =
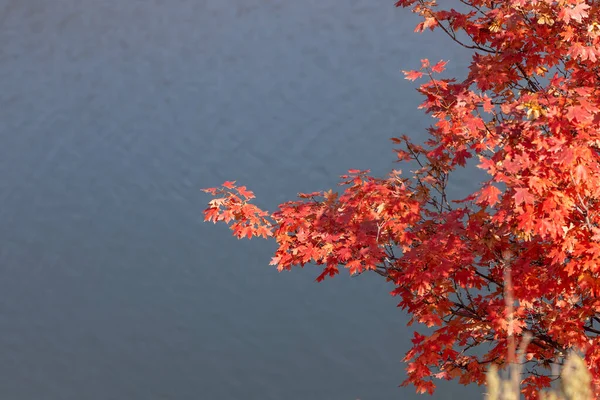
(528, 114)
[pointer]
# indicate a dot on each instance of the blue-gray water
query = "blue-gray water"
(113, 114)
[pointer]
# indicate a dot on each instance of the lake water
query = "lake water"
(113, 115)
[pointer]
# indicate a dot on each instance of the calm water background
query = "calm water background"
(113, 114)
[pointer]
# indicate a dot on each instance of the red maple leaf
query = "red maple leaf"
(578, 12)
(412, 75)
(489, 195)
(522, 195)
(439, 67)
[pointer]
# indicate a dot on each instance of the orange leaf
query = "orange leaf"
(489, 195)
(439, 67)
(412, 75)
(523, 196)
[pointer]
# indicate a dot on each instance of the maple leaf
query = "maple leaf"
(439, 67)
(211, 214)
(227, 215)
(567, 34)
(539, 185)
(461, 156)
(487, 104)
(354, 267)
(263, 231)
(412, 75)
(429, 23)
(489, 195)
(578, 12)
(244, 192)
(522, 195)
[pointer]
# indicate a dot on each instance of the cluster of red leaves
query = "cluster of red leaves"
(529, 112)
